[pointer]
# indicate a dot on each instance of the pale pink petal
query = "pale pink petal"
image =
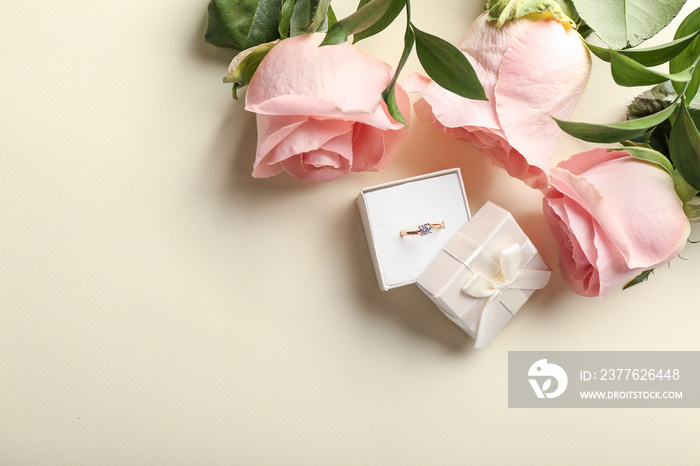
(423, 110)
(613, 269)
(543, 74)
(619, 214)
(341, 145)
(331, 161)
(303, 168)
(637, 201)
(584, 161)
(586, 194)
(300, 137)
(368, 147)
(425, 113)
(486, 139)
(374, 150)
(322, 158)
(262, 169)
(393, 140)
(628, 196)
(382, 119)
(485, 45)
(582, 230)
(576, 268)
(272, 129)
(309, 136)
(298, 77)
(531, 69)
(451, 110)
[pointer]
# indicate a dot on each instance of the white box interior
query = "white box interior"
(404, 205)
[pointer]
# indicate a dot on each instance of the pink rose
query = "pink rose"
(531, 69)
(320, 112)
(614, 216)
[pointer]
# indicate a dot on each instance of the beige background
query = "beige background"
(160, 306)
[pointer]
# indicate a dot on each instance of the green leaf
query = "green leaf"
(615, 132)
(651, 101)
(642, 277)
(301, 17)
(632, 143)
(249, 61)
(683, 189)
(286, 18)
(319, 16)
(241, 24)
(685, 148)
(388, 18)
(627, 72)
(627, 23)
(651, 56)
(686, 58)
(362, 19)
(389, 94)
(331, 16)
(392, 106)
(694, 115)
(692, 211)
(510, 10)
(649, 155)
(448, 66)
(583, 29)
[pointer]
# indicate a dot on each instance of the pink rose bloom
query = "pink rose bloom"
(614, 217)
(320, 112)
(531, 69)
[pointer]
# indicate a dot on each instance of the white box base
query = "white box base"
(404, 205)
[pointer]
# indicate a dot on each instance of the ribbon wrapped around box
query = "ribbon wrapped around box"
(484, 275)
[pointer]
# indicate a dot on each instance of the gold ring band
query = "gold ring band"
(423, 230)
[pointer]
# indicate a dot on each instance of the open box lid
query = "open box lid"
(388, 208)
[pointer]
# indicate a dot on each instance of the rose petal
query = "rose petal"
(300, 137)
(302, 170)
(273, 129)
(331, 161)
(613, 269)
(374, 150)
(368, 147)
(584, 161)
(628, 196)
(531, 69)
(322, 158)
(310, 136)
(577, 263)
(451, 110)
(485, 45)
(300, 78)
(543, 74)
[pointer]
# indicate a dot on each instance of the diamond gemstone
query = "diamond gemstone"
(425, 229)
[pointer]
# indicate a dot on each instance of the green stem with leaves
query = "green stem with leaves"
(442, 61)
(389, 94)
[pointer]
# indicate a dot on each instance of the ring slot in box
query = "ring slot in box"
(407, 204)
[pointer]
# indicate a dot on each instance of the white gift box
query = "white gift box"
(485, 273)
(389, 208)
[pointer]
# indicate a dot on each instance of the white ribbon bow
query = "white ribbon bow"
(510, 276)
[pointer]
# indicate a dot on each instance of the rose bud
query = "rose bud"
(614, 216)
(320, 112)
(532, 68)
